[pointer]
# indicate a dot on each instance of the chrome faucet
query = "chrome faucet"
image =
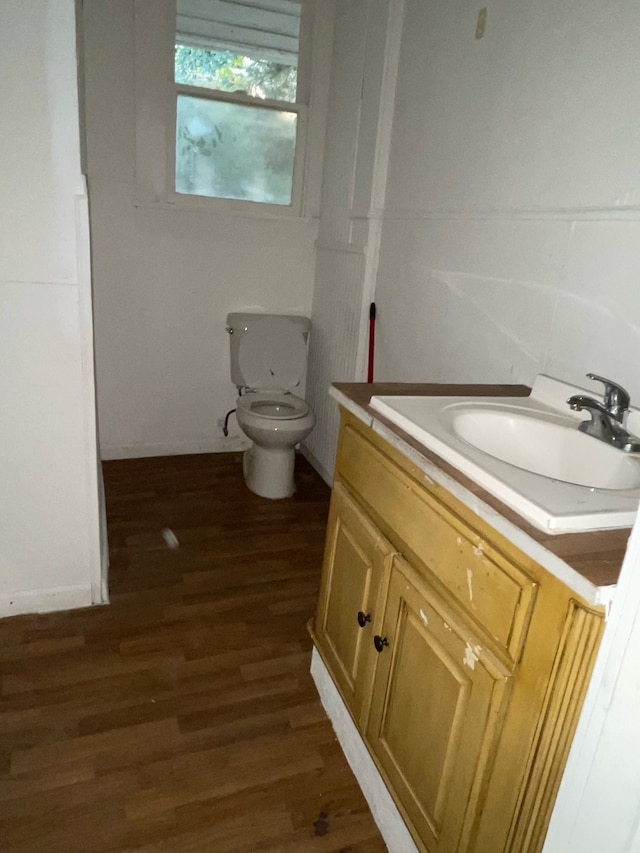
(616, 399)
(606, 419)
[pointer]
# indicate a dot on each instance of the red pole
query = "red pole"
(372, 340)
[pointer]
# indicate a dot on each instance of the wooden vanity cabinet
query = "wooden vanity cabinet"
(462, 662)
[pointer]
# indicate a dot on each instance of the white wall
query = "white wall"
(511, 216)
(49, 516)
(164, 278)
(512, 224)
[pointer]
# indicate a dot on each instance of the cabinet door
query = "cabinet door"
(436, 711)
(357, 560)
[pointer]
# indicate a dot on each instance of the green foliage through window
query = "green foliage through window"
(229, 72)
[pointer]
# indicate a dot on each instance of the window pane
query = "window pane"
(234, 151)
(233, 73)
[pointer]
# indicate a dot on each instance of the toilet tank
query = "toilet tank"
(268, 351)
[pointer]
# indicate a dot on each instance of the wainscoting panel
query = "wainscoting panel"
(338, 325)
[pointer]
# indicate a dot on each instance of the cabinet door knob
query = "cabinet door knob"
(363, 618)
(380, 642)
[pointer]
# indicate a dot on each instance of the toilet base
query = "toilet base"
(268, 472)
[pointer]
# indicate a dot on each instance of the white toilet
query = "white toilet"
(269, 360)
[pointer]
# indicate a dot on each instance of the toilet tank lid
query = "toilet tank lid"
(244, 319)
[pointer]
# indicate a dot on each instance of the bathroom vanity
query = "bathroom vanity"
(459, 638)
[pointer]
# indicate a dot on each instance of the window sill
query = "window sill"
(224, 208)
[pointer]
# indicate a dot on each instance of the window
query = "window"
(240, 101)
(231, 104)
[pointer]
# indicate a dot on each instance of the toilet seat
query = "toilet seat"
(272, 405)
(273, 355)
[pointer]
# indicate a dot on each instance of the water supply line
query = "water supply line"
(225, 428)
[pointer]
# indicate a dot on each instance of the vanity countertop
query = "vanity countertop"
(589, 562)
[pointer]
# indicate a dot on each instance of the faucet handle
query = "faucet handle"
(616, 399)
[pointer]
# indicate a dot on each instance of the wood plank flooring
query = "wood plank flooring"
(182, 716)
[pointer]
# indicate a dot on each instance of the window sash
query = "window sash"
(300, 109)
(239, 205)
(206, 93)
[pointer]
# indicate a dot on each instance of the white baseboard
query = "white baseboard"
(45, 600)
(175, 448)
(317, 465)
(385, 813)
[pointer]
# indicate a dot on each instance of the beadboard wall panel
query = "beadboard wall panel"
(333, 355)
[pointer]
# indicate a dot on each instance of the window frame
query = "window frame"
(156, 104)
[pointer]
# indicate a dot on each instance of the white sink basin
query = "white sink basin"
(529, 453)
(544, 445)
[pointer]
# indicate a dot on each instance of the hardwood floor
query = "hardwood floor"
(182, 716)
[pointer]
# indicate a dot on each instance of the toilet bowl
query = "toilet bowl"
(268, 360)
